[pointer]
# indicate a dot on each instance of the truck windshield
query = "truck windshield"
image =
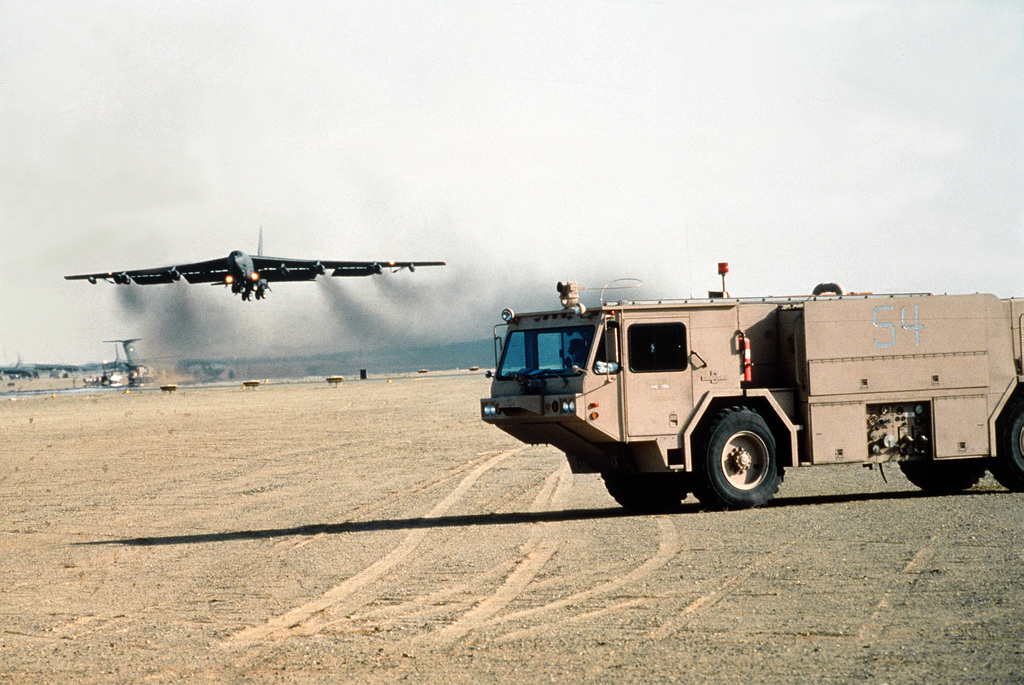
(546, 351)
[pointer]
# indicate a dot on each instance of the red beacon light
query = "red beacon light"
(723, 269)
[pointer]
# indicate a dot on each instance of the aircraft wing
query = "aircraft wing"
(290, 269)
(211, 271)
(269, 268)
(56, 367)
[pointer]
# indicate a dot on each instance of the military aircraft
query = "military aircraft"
(119, 371)
(128, 368)
(249, 275)
(29, 370)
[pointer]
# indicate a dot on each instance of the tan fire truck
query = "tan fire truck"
(717, 396)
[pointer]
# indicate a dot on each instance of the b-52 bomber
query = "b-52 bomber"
(249, 275)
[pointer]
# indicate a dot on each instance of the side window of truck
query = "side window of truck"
(657, 347)
(601, 363)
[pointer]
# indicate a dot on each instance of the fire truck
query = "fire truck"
(718, 397)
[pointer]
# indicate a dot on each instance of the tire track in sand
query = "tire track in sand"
(370, 507)
(668, 548)
(291, 621)
(720, 592)
(439, 602)
(874, 625)
(539, 548)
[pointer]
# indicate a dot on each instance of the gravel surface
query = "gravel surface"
(379, 531)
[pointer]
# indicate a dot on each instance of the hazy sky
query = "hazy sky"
(879, 145)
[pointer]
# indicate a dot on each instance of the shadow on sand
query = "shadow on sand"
(511, 518)
(376, 525)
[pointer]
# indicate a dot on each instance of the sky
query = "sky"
(878, 145)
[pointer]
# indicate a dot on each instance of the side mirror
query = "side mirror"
(611, 342)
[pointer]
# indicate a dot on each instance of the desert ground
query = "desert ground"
(378, 531)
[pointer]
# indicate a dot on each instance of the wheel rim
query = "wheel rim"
(744, 460)
(1020, 440)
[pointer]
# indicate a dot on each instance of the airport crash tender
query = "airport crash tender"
(717, 396)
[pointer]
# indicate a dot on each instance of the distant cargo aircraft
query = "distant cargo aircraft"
(249, 275)
(29, 370)
(129, 368)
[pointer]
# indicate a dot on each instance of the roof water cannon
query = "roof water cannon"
(569, 294)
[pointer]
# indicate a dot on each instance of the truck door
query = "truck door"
(657, 388)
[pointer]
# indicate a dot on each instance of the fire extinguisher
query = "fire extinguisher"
(748, 365)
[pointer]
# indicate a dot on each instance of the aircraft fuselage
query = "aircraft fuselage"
(243, 277)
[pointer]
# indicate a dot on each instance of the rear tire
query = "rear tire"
(739, 468)
(944, 477)
(647, 492)
(1008, 466)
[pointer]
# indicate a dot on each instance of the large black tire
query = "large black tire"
(1008, 466)
(647, 492)
(944, 477)
(738, 468)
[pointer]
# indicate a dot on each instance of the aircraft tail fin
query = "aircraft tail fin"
(127, 346)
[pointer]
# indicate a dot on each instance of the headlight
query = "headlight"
(565, 406)
(490, 410)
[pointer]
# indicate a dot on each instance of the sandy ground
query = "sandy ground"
(379, 532)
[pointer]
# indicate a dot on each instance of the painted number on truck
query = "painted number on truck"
(879, 316)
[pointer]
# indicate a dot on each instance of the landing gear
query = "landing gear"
(738, 468)
(260, 292)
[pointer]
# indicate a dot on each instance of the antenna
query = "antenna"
(689, 261)
(627, 284)
(259, 248)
